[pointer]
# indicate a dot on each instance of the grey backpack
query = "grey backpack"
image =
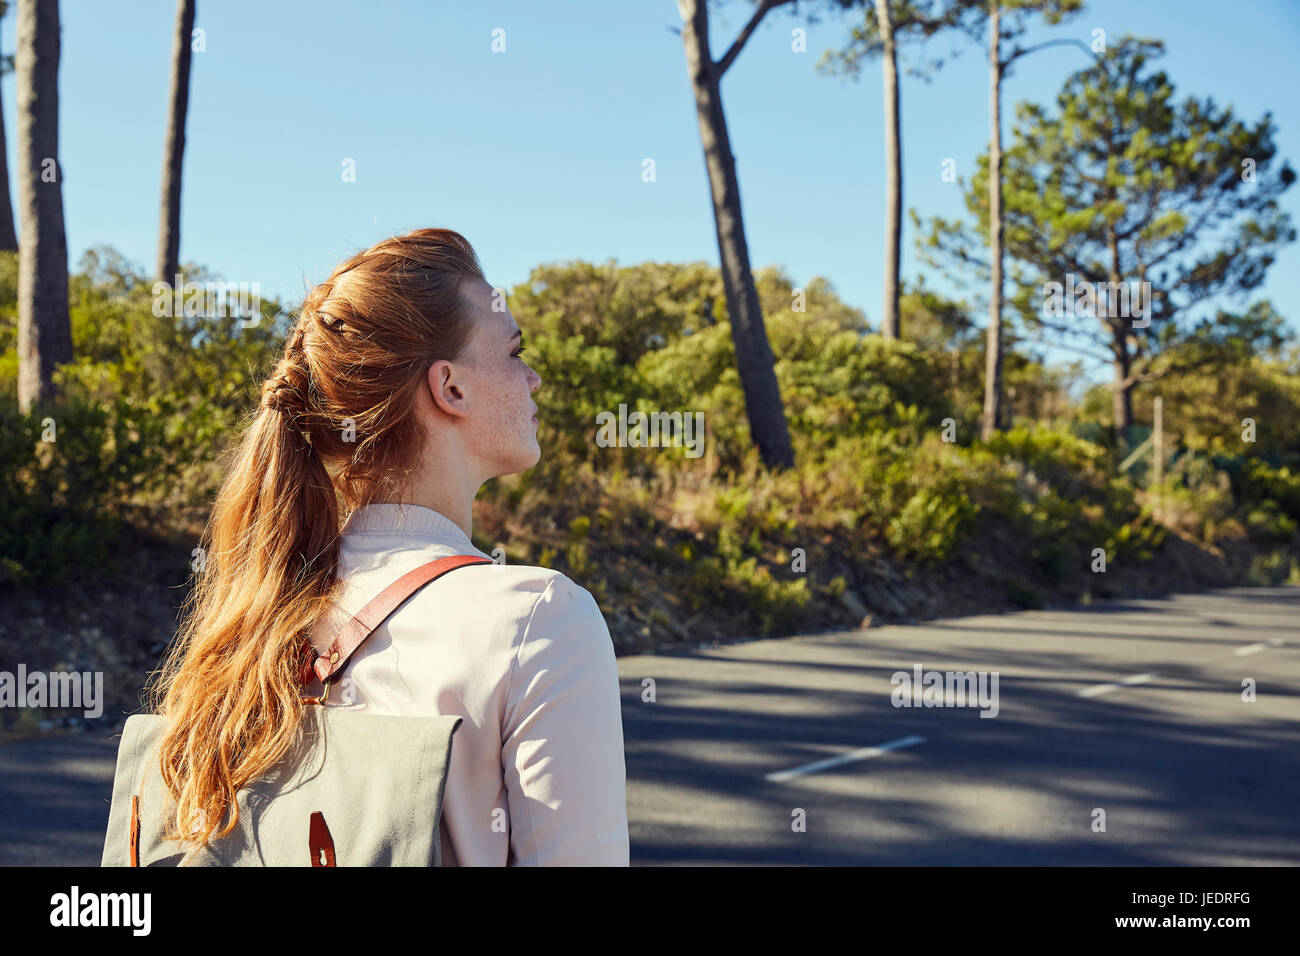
(355, 789)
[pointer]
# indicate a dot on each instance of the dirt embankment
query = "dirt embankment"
(120, 625)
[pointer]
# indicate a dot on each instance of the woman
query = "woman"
(401, 390)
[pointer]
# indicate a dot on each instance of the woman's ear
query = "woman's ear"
(445, 389)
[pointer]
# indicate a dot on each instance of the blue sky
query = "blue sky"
(535, 154)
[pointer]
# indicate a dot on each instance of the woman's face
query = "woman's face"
(501, 425)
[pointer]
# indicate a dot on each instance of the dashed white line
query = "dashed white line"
(1098, 689)
(863, 753)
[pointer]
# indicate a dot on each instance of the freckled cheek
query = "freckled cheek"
(510, 402)
(512, 405)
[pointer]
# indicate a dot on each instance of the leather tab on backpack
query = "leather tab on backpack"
(135, 830)
(322, 844)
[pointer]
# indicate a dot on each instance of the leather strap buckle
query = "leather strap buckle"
(323, 697)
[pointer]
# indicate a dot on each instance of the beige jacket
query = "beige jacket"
(537, 776)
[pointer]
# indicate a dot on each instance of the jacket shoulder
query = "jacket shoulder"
(513, 585)
(519, 582)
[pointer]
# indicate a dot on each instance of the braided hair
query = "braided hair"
(288, 389)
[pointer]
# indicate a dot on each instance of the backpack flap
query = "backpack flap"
(376, 780)
(360, 789)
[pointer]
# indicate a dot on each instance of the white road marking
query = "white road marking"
(863, 753)
(1098, 689)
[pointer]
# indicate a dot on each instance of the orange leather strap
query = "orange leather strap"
(322, 844)
(364, 623)
(135, 830)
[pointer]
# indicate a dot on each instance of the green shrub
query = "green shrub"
(579, 563)
(1261, 482)
(1135, 541)
(1268, 520)
(146, 409)
(1055, 455)
(74, 472)
(1273, 568)
(776, 604)
(931, 524)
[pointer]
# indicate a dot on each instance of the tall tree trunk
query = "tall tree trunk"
(44, 329)
(754, 360)
(1122, 395)
(893, 173)
(992, 418)
(169, 222)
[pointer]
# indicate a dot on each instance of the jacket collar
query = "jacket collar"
(405, 518)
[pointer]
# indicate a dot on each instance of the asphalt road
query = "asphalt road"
(791, 751)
